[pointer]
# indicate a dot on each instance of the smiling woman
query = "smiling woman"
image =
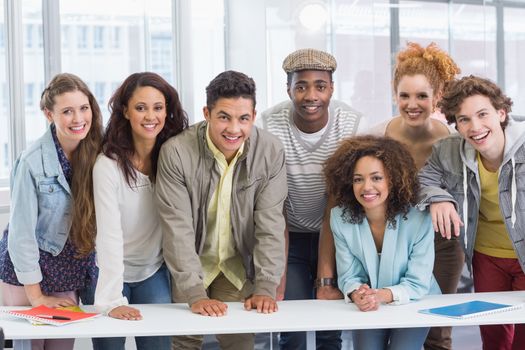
(47, 253)
(145, 112)
(375, 186)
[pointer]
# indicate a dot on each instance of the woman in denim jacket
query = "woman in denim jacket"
(47, 252)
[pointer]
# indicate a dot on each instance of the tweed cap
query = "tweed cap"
(309, 59)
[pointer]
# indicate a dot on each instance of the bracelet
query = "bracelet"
(327, 281)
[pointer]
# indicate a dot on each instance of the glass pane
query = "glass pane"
(356, 33)
(514, 56)
(423, 23)
(473, 31)
(105, 41)
(4, 112)
(207, 31)
(362, 48)
(35, 122)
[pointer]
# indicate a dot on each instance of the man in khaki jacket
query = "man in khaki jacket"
(221, 185)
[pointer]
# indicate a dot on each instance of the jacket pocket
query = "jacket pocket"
(51, 195)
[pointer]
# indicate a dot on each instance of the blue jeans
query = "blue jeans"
(391, 339)
(153, 290)
(300, 278)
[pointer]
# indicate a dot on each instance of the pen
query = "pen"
(52, 317)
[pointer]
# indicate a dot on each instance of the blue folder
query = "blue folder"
(470, 309)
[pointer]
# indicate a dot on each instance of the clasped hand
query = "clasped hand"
(369, 299)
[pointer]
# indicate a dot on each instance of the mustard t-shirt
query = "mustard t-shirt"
(491, 238)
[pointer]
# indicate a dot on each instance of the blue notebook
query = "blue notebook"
(470, 309)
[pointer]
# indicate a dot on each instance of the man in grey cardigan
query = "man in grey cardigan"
(221, 185)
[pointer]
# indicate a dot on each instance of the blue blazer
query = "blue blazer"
(406, 262)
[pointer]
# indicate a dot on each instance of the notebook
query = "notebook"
(46, 315)
(470, 309)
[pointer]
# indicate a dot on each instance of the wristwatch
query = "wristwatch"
(327, 281)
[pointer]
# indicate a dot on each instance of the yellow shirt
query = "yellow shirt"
(219, 253)
(492, 237)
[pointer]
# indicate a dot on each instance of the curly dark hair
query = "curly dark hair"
(230, 84)
(118, 140)
(400, 170)
(458, 90)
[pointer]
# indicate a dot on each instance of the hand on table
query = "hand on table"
(262, 303)
(53, 302)
(209, 307)
(366, 298)
(125, 312)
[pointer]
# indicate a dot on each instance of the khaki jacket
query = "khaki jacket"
(187, 176)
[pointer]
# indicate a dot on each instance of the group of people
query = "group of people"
(304, 205)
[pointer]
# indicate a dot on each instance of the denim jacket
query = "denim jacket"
(451, 174)
(40, 208)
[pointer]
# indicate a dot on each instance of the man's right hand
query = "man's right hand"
(209, 307)
(444, 218)
(329, 293)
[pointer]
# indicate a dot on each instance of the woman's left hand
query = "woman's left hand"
(125, 312)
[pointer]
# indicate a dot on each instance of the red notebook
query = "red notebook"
(47, 315)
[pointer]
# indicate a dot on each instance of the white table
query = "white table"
(303, 315)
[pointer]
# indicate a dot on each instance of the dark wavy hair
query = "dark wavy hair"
(84, 228)
(230, 84)
(400, 169)
(458, 90)
(118, 140)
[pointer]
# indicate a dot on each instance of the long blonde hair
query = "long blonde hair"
(83, 228)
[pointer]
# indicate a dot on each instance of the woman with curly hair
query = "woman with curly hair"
(145, 112)
(420, 76)
(384, 246)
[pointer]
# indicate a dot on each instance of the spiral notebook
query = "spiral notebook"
(47, 315)
(470, 309)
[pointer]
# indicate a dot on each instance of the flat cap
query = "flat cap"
(309, 59)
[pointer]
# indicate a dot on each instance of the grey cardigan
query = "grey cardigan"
(451, 174)
(187, 176)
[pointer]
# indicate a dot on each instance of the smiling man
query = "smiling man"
(310, 126)
(221, 185)
(480, 172)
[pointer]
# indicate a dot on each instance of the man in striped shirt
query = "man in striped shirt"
(310, 126)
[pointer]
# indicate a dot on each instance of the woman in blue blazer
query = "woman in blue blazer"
(384, 246)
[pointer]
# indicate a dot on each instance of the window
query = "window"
(132, 42)
(29, 95)
(40, 36)
(65, 36)
(98, 37)
(4, 112)
(35, 122)
(115, 38)
(100, 91)
(82, 37)
(29, 35)
(473, 31)
(514, 56)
